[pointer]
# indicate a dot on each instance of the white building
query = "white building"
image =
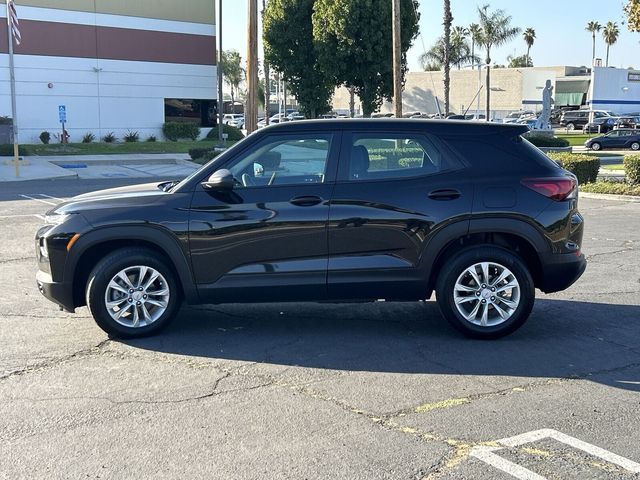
(116, 65)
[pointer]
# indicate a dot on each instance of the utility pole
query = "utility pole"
(397, 59)
(220, 97)
(267, 81)
(251, 111)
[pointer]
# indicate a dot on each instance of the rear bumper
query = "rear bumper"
(58, 292)
(560, 271)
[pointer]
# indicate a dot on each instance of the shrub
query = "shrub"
(151, 138)
(234, 134)
(174, 131)
(584, 167)
(546, 141)
(88, 137)
(615, 188)
(131, 137)
(386, 158)
(6, 150)
(203, 155)
(110, 137)
(45, 137)
(632, 169)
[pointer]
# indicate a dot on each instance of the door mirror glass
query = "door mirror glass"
(220, 180)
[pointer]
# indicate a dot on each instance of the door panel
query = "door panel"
(262, 241)
(379, 225)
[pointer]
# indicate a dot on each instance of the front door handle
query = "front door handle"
(444, 194)
(306, 201)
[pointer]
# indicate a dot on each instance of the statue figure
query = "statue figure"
(544, 120)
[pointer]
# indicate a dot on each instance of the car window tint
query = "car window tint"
(382, 156)
(283, 160)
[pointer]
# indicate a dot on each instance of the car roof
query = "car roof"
(436, 126)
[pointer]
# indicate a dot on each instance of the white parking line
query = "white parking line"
(487, 455)
(53, 198)
(3, 217)
(38, 200)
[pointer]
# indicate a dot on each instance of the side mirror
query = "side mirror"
(220, 180)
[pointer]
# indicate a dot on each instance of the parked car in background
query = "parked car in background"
(319, 211)
(515, 117)
(574, 119)
(628, 122)
(601, 125)
(230, 118)
(295, 116)
(619, 138)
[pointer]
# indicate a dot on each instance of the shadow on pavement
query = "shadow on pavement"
(562, 339)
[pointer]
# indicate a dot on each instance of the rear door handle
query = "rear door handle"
(306, 201)
(444, 194)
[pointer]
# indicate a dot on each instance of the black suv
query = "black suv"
(334, 210)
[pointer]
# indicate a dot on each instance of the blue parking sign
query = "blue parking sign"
(62, 113)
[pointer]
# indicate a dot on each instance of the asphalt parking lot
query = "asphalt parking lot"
(335, 391)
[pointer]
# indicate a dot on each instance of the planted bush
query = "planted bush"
(45, 137)
(88, 137)
(151, 138)
(234, 134)
(584, 167)
(546, 141)
(6, 150)
(203, 154)
(109, 138)
(131, 137)
(174, 131)
(632, 169)
(392, 158)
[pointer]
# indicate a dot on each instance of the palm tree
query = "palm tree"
(610, 34)
(233, 72)
(496, 31)
(475, 31)
(529, 36)
(459, 54)
(593, 27)
(447, 20)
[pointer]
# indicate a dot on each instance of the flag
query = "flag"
(13, 22)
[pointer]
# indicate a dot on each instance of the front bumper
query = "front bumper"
(561, 270)
(58, 292)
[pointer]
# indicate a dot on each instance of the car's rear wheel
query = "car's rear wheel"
(635, 146)
(132, 293)
(571, 126)
(596, 146)
(485, 292)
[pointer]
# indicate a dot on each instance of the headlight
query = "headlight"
(56, 219)
(44, 250)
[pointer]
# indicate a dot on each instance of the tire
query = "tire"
(571, 126)
(452, 277)
(162, 293)
(596, 146)
(635, 146)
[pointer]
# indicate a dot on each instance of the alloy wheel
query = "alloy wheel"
(486, 294)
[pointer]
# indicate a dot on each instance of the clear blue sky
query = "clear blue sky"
(559, 25)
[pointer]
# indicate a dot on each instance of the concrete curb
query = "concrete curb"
(610, 196)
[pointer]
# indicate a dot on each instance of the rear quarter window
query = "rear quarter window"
(498, 153)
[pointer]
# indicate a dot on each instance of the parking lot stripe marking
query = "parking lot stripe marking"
(49, 196)
(3, 217)
(38, 200)
(521, 473)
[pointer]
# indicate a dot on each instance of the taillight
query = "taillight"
(557, 189)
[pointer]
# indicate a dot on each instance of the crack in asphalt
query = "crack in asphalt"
(10, 260)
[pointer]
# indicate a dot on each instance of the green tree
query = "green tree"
(353, 38)
(232, 71)
(290, 49)
(529, 36)
(632, 9)
(610, 33)
(519, 62)
(496, 30)
(593, 27)
(475, 31)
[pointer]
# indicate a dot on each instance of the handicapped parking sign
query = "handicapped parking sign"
(62, 113)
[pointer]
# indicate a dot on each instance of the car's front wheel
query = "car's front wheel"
(132, 293)
(485, 292)
(596, 146)
(635, 146)
(571, 126)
